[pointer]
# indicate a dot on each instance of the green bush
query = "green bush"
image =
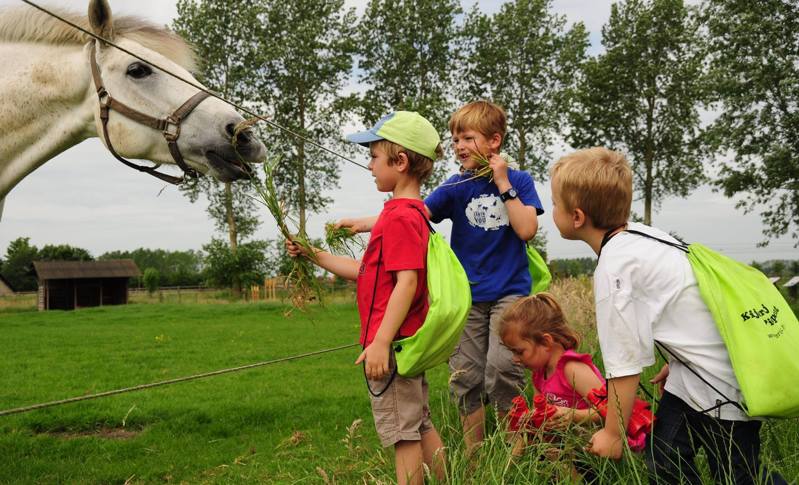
(151, 280)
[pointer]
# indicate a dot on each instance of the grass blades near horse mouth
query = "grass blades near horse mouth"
(306, 421)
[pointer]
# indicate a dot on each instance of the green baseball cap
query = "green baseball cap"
(406, 128)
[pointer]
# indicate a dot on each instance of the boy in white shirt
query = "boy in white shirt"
(646, 293)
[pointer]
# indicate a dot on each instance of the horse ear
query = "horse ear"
(100, 19)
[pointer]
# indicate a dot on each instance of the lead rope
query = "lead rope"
(167, 382)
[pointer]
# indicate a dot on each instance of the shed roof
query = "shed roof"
(774, 279)
(792, 282)
(5, 282)
(62, 270)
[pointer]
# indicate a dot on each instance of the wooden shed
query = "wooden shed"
(67, 285)
(5, 287)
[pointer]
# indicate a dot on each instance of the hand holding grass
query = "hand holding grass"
(295, 249)
(499, 170)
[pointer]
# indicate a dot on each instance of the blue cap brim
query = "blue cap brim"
(364, 138)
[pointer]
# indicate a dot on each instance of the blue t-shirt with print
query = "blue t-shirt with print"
(494, 257)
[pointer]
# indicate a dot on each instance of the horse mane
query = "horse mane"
(22, 24)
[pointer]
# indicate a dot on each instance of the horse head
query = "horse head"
(206, 137)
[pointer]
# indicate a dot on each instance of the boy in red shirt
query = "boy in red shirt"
(392, 288)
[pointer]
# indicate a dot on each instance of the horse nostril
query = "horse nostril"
(230, 129)
(243, 137)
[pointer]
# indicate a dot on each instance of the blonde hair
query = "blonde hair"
(599, 182)
(536, 315)
(419, 166)
(482, 116)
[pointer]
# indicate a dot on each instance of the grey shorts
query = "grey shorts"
(401, 413)
(482, 368)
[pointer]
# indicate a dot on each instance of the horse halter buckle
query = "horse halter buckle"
(172, 136)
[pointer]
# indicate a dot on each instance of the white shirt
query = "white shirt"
(646, 291)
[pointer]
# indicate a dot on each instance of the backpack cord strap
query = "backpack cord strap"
(424, 216)
(719, 403)
(681, 245)
(371, 307)
(368, 320)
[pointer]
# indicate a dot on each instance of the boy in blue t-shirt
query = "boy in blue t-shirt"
(492, 219)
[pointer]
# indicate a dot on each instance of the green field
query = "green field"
(289, 422)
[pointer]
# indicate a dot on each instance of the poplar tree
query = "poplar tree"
(222, 34)
(305, 58)
(524, 59)
(753, 49)
(406, 55)
(642, 96)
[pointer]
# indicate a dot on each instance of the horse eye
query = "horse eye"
(137, 70)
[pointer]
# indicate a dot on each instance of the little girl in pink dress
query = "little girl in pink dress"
(536, 332)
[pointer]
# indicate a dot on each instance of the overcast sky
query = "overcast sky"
(85, 198)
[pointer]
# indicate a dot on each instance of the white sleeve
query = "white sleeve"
(625, 334)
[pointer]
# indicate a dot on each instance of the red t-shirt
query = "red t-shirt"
(401, 235)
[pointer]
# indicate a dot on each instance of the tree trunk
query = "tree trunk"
(233, 235)
(649, 157)
(522, 150)
(301, 200)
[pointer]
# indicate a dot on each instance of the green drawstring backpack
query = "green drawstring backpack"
(758, 327)
(539, 271)
(450, 299)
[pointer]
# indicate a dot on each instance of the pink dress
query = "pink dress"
(559, 391)
(557, 388)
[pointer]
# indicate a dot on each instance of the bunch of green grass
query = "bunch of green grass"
(341, 240)
(301, 280)
(483, 170)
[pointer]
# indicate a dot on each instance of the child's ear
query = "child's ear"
(579, 219)
(547, 340)
(402, 163)
(495, 141)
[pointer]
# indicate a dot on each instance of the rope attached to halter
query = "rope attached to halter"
(167, 382)
(195, 85)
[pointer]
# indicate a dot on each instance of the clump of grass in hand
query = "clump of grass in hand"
(302, 277)
(483, 170)
(341, 240)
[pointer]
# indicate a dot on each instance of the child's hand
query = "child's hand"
(376, 357)
(562, 417)
(606, 444)
(499, 166)
(660, 378)
(295, 249)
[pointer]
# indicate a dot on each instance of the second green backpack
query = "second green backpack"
(539, 271)
(759, 329)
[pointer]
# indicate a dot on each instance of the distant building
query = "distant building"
(774, 279)
(5, 287)
(67, 285)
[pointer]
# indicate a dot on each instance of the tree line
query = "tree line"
(171, 268)
(213, 266)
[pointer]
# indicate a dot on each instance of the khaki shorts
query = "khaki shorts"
(482, 368)
(401, 413)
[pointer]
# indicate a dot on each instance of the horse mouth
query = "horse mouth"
(228, 170)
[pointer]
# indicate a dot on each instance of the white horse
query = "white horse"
(49, 97)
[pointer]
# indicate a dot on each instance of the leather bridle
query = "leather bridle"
(169, 126)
